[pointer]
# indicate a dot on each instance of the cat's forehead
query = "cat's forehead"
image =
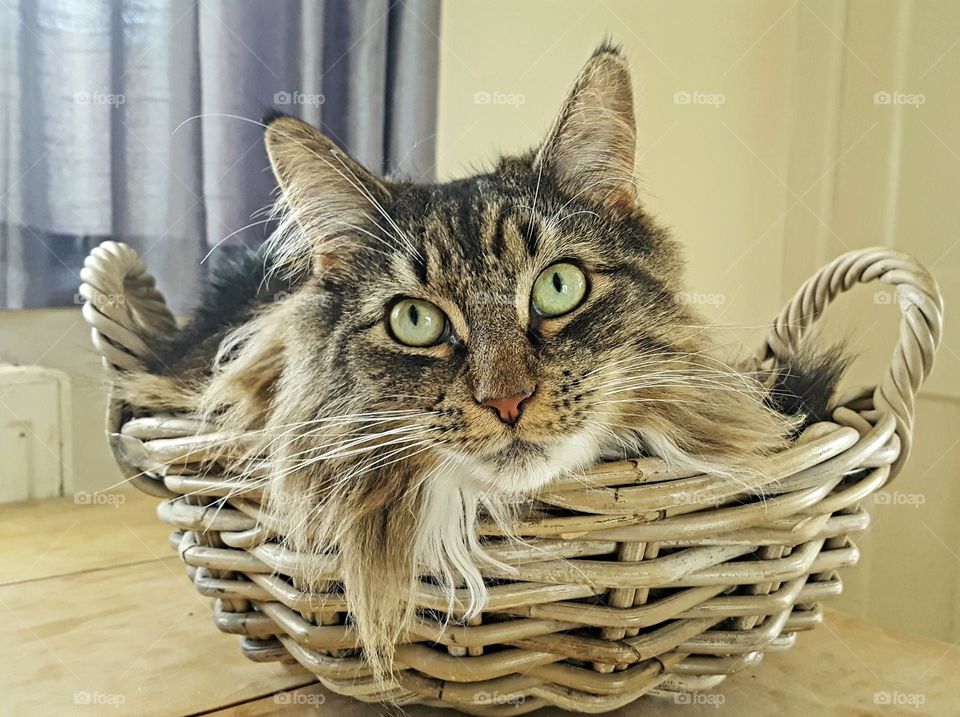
(480, 244)
(484, 223)
(472, 243)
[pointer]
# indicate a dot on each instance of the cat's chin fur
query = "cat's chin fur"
(447, 545)
(463, 488)
(525, 474)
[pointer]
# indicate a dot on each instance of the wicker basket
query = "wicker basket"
(637, 580)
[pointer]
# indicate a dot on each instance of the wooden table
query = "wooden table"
(99, 618)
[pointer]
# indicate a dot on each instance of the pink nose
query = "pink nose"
(510, 408)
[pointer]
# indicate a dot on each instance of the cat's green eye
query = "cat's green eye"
(559, 289)
(417, 323)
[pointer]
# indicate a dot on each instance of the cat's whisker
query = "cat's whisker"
(301, 464)
(678, 401)
(675, 357)
(683, 374)
(667, 368)
(409, 395)
(585, 190)
(337, 448)
(359, 418)
(382, 462)
(341, 438)
(347, 448)
(668, 383)
(702, 377)
(571, 215)
(231, 234)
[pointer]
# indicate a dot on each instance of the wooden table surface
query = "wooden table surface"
(99, 618)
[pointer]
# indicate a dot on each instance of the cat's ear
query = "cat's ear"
(592, 145)
(325, 190)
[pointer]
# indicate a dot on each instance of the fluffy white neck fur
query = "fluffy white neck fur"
(447, 545)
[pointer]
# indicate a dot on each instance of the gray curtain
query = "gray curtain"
(136, 120)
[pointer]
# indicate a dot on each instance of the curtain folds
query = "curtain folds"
(136, 120)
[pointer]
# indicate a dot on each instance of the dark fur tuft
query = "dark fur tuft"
(608, 47)
(807, 382)
(271, 115)
(237, 286)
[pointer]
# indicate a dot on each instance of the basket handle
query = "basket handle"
(921, 325)
(123, 305)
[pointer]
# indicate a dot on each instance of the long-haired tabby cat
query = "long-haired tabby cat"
(445, 349)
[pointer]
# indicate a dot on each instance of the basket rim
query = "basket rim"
(123, 304)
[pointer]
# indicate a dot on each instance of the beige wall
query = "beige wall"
(60, 339)
(797, 165)
(897, 185)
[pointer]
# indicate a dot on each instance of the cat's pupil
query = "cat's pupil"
(414, 315)
(557, 282)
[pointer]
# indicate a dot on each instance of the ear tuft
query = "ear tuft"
(608, 47)
(270, 115)
(592, 145)
(324, 191)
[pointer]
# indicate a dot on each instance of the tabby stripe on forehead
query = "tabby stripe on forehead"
(470, 240)
(531, 236)
(420, 265)
(496, 238)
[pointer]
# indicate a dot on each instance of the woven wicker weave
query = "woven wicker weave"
(635, 580)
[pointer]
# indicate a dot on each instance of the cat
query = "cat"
(409, 355)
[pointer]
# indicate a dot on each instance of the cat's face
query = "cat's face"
(476, 254)
(515, 320)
